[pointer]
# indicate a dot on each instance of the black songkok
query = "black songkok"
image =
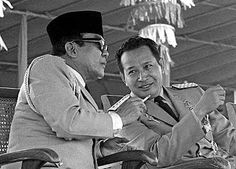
(74, 23)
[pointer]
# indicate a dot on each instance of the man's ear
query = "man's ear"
(123, 78)
(70, 49)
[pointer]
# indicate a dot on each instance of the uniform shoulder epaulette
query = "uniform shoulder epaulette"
(184, 85)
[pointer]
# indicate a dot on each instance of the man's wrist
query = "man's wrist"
(200, 115)
(116, 121)
(198, 112)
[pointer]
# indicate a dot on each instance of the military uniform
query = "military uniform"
(173, 141)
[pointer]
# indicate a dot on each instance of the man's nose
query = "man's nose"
(105, 54)
(142, 75)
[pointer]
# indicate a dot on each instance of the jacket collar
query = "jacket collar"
(178, 103)
(82, 87)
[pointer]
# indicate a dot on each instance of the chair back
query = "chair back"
(8, 98)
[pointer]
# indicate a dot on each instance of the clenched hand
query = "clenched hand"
(131, 110)
(211, 100)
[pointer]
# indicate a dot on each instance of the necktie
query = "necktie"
(165, 106)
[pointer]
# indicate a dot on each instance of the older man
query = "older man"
(182, 122)
(55, 110)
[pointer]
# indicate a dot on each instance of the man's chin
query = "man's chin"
(100, 76)
(145, 94)
(141, 95)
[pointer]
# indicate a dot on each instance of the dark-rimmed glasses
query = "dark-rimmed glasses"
(102, 45)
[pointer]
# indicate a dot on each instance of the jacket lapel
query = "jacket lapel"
(88, 96)
(82, 88)
(157, 112)
(181, 104)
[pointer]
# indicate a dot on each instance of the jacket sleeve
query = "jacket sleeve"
(52, 95)
(169, 147)
(224, 133)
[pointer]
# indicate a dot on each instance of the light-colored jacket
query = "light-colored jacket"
(174, 141)
(54, 110)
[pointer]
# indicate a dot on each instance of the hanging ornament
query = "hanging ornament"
(166, 63)
(185, 3)
(2, 44)
(160, 33)
(2, 9)
(147, 10)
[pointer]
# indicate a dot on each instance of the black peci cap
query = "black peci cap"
(74, 23)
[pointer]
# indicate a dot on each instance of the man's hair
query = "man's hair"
(58, 48)
(134, 43)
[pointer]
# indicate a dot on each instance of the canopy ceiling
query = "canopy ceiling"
(205, 54)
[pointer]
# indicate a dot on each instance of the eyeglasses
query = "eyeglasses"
(102, 45)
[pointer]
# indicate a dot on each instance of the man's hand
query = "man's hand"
(131, 110)
(114, 145)
(211, 100)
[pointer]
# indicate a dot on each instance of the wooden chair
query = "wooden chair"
(197, 163)
(36, 158)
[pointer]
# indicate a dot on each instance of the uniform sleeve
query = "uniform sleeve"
(172, 146)
(52, 95)
(224, 133)
(168, 147)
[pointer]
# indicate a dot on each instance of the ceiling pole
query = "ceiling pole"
(22, 50)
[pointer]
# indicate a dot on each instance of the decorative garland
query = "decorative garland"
(2, 9)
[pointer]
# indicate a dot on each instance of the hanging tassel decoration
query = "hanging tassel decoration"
(185, 3)
(2, 44)
(166, 60)
(148, 10)
(160, 33)
(3, 8)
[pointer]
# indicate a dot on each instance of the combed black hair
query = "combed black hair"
(134, 43)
